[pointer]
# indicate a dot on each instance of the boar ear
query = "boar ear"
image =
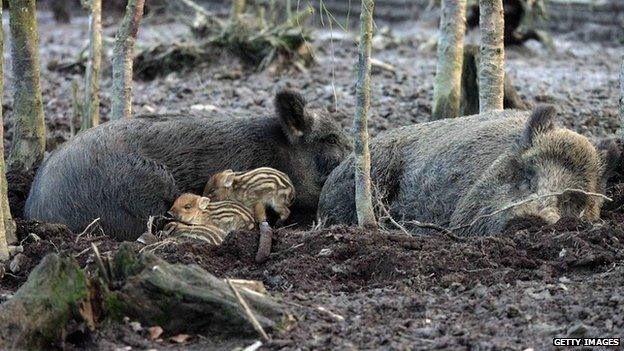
(228, 178)
(203, 203)
(542, 120)
(290, 108)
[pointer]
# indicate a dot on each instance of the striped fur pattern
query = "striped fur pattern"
(257, 189)
(207, 233)
(227, 215)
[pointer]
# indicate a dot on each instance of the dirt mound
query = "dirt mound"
(349, 259)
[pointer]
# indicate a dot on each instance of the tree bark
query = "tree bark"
(121, 99)
(238, 8)
(492, 66)
(91, 114)
(447, 88)
(35, 318)
(363, 195)
(622, 101)
(177, 297)
(184, 298)
(29, 132)
(7, 225)
(470, 86)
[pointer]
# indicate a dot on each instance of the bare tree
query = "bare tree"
(29, 132)
(238, 8)
(447, 88)
(492, 66)
(363, 196)
(622, 101)
(91, 114)
(121, 99)
(4, 235)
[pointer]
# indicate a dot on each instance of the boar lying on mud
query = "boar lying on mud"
(124, 171)
(456, 173)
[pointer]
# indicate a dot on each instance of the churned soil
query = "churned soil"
(387, 289)
(366, 289)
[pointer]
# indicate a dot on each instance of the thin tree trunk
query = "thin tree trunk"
(622, 101)
(363, 196)
(447, 88)
(7, 225)
(492, 67)
(121, 99)
(238, 8)
(4, 249)
(91, 114)
(29, 132)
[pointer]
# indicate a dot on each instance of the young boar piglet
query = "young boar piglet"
(257, 189)
(228, 215)
(207, 232)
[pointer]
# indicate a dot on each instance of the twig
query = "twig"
(86, 228)
(335, 316)
(100, 263)
(252, 319)
(150, 223)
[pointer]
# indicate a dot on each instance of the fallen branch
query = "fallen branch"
(248, 313)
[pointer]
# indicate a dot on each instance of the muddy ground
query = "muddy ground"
(385, 289)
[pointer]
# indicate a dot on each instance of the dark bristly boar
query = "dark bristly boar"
(466, 173)
(124, 171)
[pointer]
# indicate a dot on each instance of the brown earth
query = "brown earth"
(516, 290)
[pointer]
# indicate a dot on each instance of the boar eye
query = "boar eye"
(188, 206)
(331, 139)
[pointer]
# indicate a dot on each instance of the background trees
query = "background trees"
(121, 98)
(492, 65)
(29, 135)
(363, 195)
(91, 114)
(447, 88)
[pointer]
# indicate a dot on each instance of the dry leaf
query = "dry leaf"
(180, 338)
(154, 332)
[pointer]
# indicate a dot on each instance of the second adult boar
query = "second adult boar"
(477, 173)
(124, 171)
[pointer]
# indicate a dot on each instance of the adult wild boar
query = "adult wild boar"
(124, 171)
(463, 173)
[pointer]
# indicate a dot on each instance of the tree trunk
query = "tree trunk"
(7, 225)
(91, 114)
(492, 67)
(238, 8)
(470, 86)
(29, 132)
(622, 101)
(447, 88)
(121, 99)
(363, 196)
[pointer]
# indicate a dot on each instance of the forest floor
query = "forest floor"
(387, 290)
